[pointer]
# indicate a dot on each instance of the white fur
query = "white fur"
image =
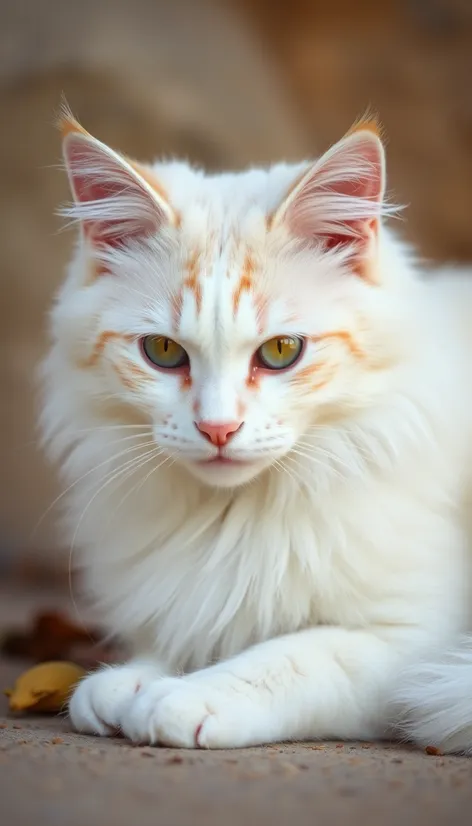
(432, 699)
(279, 598)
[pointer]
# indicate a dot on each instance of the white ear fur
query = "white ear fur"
(341, 196)
(112, 201)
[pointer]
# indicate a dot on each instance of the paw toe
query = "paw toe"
(98, 703)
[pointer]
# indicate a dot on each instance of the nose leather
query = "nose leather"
(218, 433)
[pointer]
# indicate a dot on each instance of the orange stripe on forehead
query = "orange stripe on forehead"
(192, 282)
(245, 283)
(244, 286)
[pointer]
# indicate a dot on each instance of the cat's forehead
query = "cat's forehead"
(220, 289)
(222, 296)
(225, 197)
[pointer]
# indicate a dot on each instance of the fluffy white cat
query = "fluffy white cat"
(262, 409)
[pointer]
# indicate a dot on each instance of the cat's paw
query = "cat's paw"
(96, 704)
(192, 713)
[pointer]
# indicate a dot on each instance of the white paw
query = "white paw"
(193, 713)
(96, 704)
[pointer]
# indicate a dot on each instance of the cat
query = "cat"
(260, 402)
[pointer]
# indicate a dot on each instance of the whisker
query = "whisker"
(38, 443)
(314, 459)
(295, 471)
(314, 451)
(80, 479)
(122, 469)
(137, 487)
(132, 464)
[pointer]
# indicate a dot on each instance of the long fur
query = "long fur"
(292, 595)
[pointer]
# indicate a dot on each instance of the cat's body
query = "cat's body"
(280, 592)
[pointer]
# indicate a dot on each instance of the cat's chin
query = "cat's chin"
(225, 473)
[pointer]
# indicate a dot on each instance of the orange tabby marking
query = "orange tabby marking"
(346, 338)
(192, 282)
(100, 344)
(148, 176)
(245, 282)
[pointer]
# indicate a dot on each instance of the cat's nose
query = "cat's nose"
(218, 433)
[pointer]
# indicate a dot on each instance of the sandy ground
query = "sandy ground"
(49, 775)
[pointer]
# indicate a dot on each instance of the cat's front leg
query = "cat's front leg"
(320, 683)
(97, 703)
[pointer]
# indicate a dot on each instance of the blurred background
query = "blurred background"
(224, 83)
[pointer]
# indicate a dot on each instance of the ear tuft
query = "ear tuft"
(65, 121)
(368, 122)
(115, 199)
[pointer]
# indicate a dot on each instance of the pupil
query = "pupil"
(166, 345)
(279, 345)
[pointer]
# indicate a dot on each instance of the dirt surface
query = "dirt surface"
(49, 775)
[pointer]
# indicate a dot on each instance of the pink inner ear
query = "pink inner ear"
(340, 199)
(101, 230)
(363, 169)
(100, 180)
(87, 188)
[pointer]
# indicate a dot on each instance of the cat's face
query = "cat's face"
(222, 325)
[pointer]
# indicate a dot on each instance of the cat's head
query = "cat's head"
(233, 312)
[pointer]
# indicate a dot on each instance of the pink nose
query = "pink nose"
(218, 433)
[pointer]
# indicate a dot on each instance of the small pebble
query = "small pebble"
(432, 750)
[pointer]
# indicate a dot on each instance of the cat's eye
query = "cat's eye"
(280, 352)
(164, 352)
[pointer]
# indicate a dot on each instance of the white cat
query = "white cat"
(263, 411)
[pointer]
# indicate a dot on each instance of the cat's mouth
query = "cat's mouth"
(225, 471)
(222, 460)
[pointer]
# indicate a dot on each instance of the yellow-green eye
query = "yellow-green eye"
(280, 352)
(164, 352)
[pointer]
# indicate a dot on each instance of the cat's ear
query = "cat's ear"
(339, 200)
(114, 199)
